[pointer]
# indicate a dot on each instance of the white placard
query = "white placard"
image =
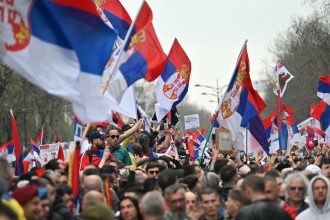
(191, 121)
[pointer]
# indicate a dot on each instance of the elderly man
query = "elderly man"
(295, 186)
(319, 195)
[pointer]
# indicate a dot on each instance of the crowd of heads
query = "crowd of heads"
(131, 174)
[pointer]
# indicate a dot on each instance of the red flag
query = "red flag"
(57, 138)
(40, 138)
(60, 153)
(117, 119)
(190, 147)
(19, 169)
(74, 172)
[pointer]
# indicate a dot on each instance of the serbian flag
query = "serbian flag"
(322, 114)
(241, 107)
(323, 89)
(173, 83)
(117, 120)
(35, 150)
(78, 131)
(144, 57)
(200, 144)
(288, 132)
(40, 138)
(116, 15)
(17, 146)
(62, 46)
(281, 78)
(34, 154)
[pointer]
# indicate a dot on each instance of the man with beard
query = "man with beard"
(93, 155)
(175, 198)
(319, 198)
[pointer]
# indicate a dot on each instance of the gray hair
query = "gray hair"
(152, 204)
(294, 176)
(173, 189)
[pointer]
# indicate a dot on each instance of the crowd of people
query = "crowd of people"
(132, 174)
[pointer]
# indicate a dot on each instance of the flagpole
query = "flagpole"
(246, 144)
(218, 109)
(116, 65)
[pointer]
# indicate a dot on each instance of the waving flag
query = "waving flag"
(61, 46)
(40, 138)
(173, 83)
(144, 57)
(117, 120)
(141, 114)
(17, 146)
(34, 154)
(288, 131)
(323, 89)
(322, 114)
(200, 143)
(281, 78)
(241, 107)
(116, 15)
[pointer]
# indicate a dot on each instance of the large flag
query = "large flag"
(173, 83)
(281, 78)
(17, 146)
(144, 57)
(322, 114)
(116, 15)
(323, 89)
(288, 132)
(61, 46)
(241, 107)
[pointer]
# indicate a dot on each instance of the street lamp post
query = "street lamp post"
(217, 91)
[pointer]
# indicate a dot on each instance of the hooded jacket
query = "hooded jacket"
(314, 212)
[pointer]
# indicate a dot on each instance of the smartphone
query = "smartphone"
(251, 156)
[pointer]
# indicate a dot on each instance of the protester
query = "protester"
(27, 196)
(295, 185)
(253, 190)
(234, 204)
(210, 203)
(152, 206)
(129, 209)
(176, 201)
(319, 200)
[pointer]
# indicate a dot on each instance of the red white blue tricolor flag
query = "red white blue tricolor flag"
(173, 83)
(62, 46)
(142, 57)
(323, 89)
(241, 107)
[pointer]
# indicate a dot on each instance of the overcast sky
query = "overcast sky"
(212, 33)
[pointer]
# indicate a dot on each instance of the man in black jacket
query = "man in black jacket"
(260, 208)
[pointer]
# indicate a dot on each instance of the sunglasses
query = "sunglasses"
(300, 189)
(153, 171)
(114, 136)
